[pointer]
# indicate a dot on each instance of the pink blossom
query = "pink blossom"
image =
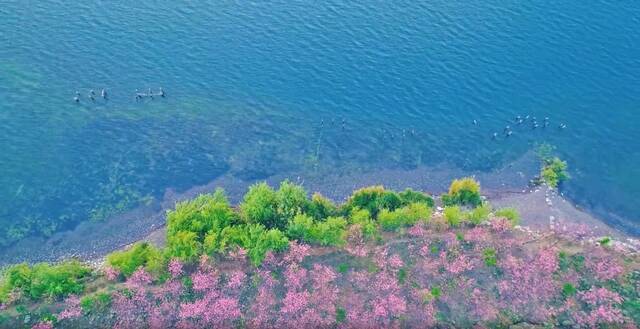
(203, 281)
(235, 279)
(139, 278)
(297, 252)
(72, 310)
(477, 234)
(417, 230)
(500, 224)
(603, 309)
(111, 273)
(606, 269)
(294, 302)
(395, 261)
(295, 276)
(175, 268)
(43, 325)
(458, 265)
(238, 254)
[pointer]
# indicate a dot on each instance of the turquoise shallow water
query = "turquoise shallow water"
(262, 88)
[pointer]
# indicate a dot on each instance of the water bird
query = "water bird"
(138, 95)
(562, 126)
(161, 93)
(526, 117)
(150, 94)
(103, 93)
(494, 136)
(509, 133)
(518, 118)
(91, 94)
(507, 128)
(475, 122)
(535, 125)
(77, 97)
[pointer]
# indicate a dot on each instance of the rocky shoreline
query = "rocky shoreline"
(541, 208)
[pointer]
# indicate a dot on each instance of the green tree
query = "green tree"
(260, 206)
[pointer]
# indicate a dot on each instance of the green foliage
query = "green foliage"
(184, 245)
(291, 199)
(343, 268)
(300, 227)
(331, 232)
(436, 292)
(320, 207)
(402, 275)
(509, 213)
(341, 315)
(140, 254)
(409, 196)
(568, 290)
(554, 171)
(373, 199)
(191, 221)
(606, 241)
(490, 257)
(96, 302)
(260, 206)
(362, 218)
(465, 191)
(479, 214)
(44, 280)
(254, 238)
(453, 215)
(566, 261)
(405, 216)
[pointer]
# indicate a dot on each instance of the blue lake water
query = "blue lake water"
(262, 88)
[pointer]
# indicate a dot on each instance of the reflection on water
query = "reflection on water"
(263, 89)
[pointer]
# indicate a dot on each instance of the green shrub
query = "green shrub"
(140, 254)
(373, 199)
(554, 171)
(99, 301)
(254, 238)
(465, 191)
(200, 215)
(490, 257)
(320, 207)
(192, 221)
(479, 214)
(44, 280)
(271, 240)
(291, 199)
(362, 218)
(300, 227)
(260, 207)
(405, 216)
(409, 196)
(184, 245)
(453, 215)
(331, 232)
(509, 213)
(568, 290)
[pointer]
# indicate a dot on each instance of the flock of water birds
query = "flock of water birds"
(523, 121)
(91, 95)
(507, 131)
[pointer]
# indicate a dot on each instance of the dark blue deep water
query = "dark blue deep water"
(258, 88)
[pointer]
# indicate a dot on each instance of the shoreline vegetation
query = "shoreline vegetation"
(380, 259)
